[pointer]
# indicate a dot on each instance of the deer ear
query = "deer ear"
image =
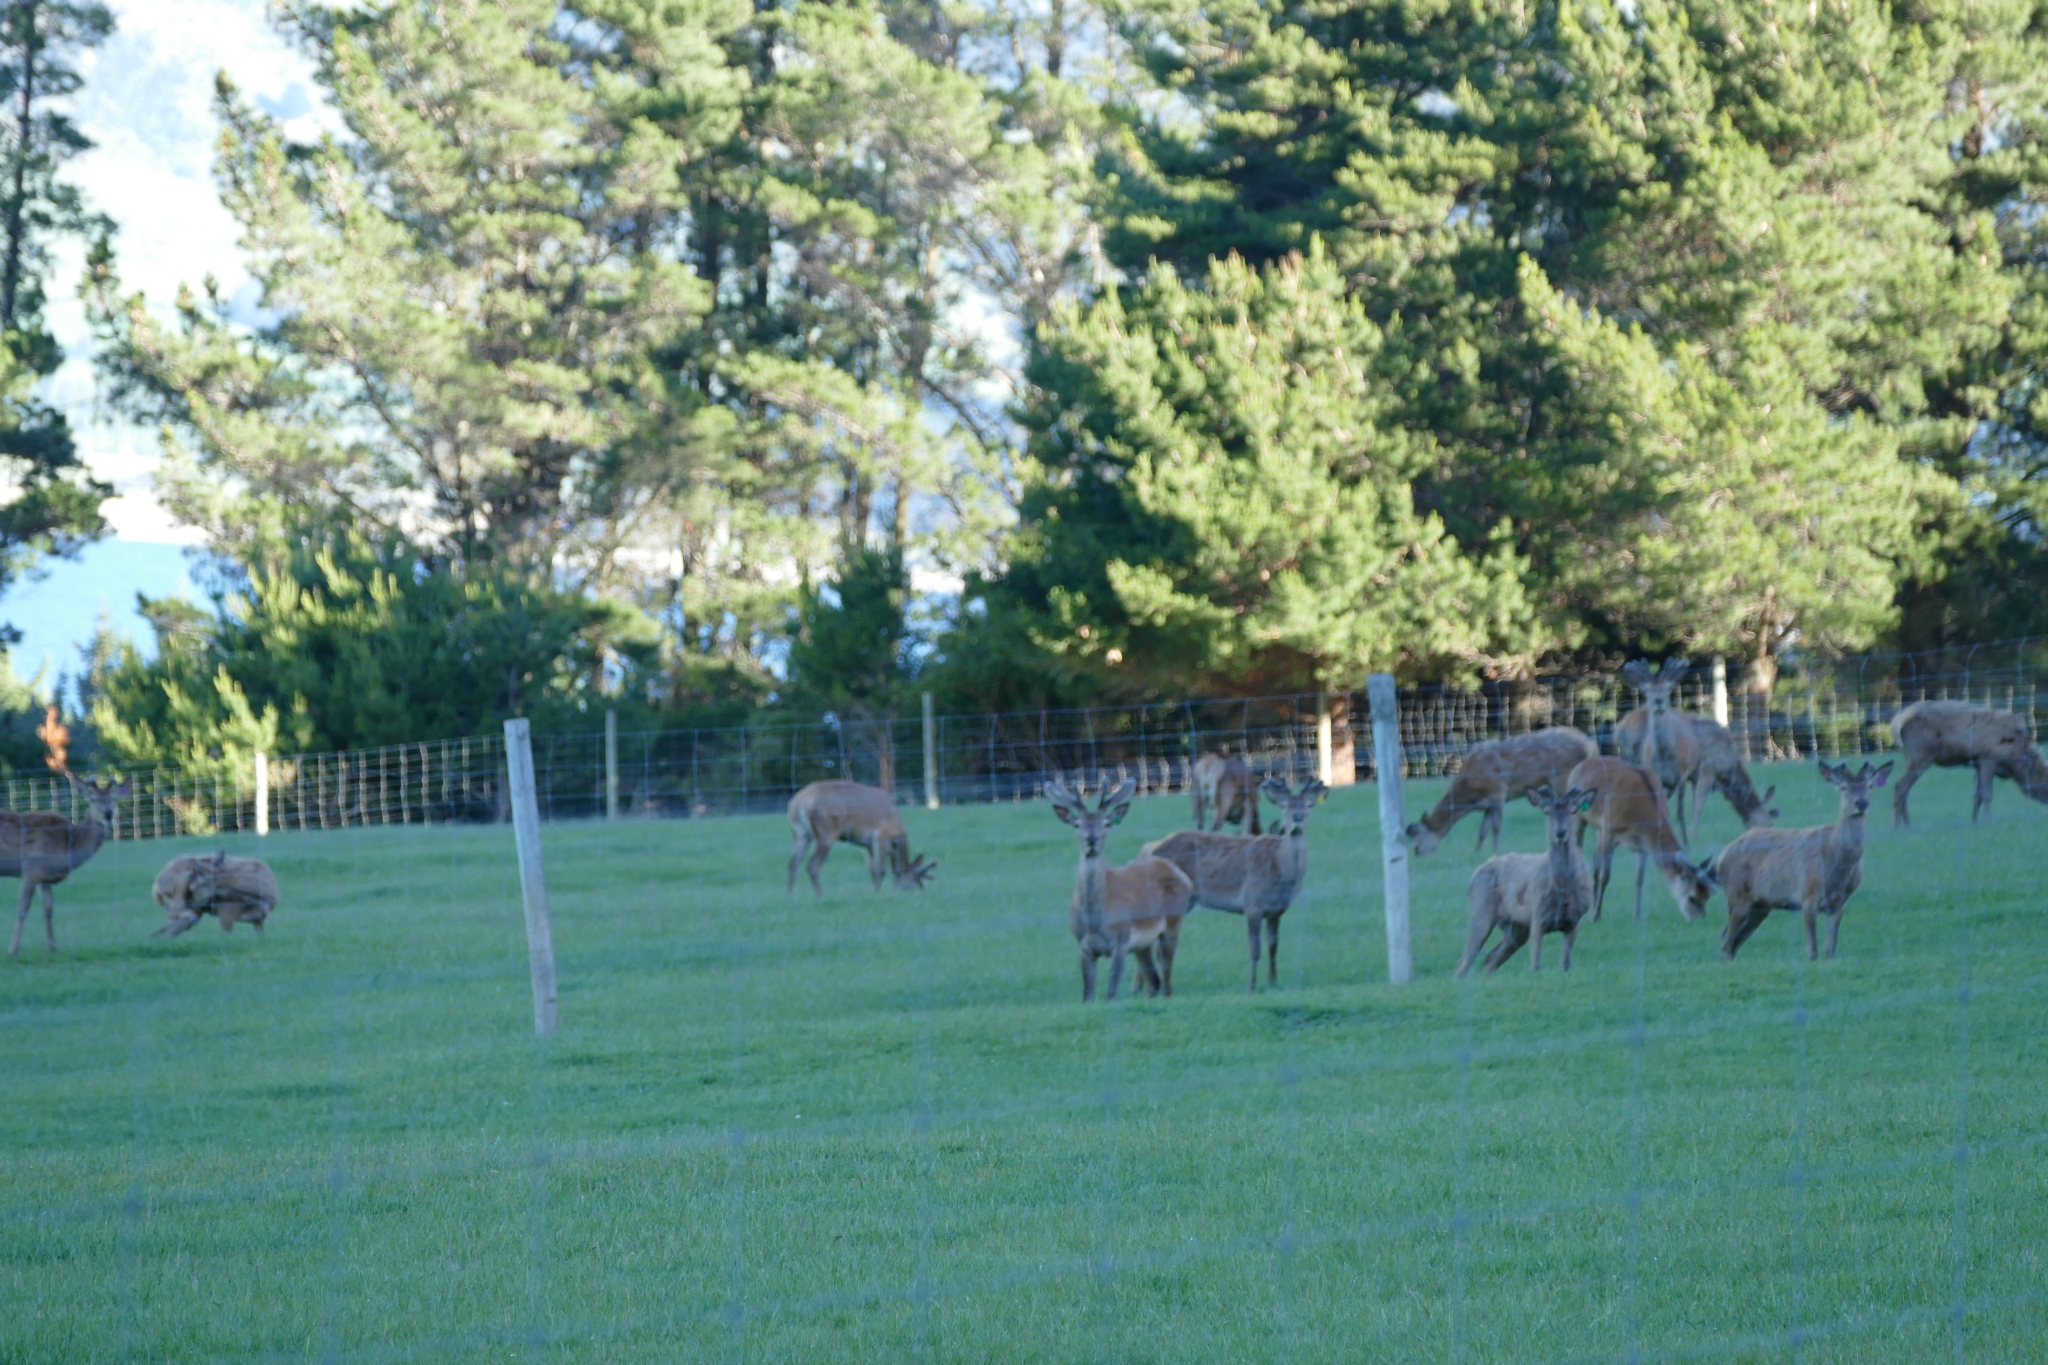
(1275, 790)
(1118, 812)
(1877, 778)
(1636, 671)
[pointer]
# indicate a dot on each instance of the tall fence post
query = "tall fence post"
(1720, 692)
(1325, 762)
(611, 765)
(1386, 754)
(533, 885)
(931, 755)
(262, 795)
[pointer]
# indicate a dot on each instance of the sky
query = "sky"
(147, 104)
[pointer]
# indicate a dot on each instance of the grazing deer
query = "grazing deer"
(828, 813)
(1528, 895)
(43, 848)
(1808, 870)
(1954, 734)
(1225, 785)
(1716, 766)
(1257, 877)
(1120, 911)
(1496, 773)
(1628, 810)
(1664, 741)
(233, 890)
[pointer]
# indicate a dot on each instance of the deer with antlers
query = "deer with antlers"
(1813, 871)
(1257, 877)
(1628, 811)
(1663, 741)
(1497, 772)
(833, 812)
(1528, 895)
(43, 848)
(1954, 734)
(1717, 766)
(1119, 912)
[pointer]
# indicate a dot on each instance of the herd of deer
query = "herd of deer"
(1670, 761)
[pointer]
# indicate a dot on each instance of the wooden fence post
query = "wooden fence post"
(262, 795)
(1325, 761)
(533, 886)
(611, 765)
(1386, 755)
(1720, 692)
(931, 755)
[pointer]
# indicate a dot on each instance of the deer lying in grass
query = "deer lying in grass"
(1808, 870)
(1496, 773)
(1257, 877)
(1117, 912)
(1628, 811)
(1225, 786)
(43, 848)
(233, 890)
(1954, 734)
(1528, 895)
(1717, 767)
(828, 813)
(1663, 740)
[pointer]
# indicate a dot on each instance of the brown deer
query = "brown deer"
(1628, 811)
(1808, 870)
(1257, 877)
(1120, 911)
(1496, 773)
(828, 813)
(1717, 766)
(1528, 895)
(1225, 786)
(234, 890)
(43, 848)
(1954, 734)
(1664, 740)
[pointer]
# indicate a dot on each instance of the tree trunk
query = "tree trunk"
(1343, 747)
(10, 278)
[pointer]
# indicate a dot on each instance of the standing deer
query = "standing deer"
(1496, 773)
(1716, 764)
(1628, 810)
(1665, 742)
(1225, 786)
(828, 813)
(1954, 734)
(1257, 877)
(1528, 895)
(43, 848)
(1808, 870)
(1120, 911)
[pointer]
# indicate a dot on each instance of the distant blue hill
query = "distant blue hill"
(57, 612)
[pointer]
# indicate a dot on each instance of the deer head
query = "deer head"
(1657, 688)
(911, 876)
(1559, 810)
(1294, 805)
(100, 797)
(1855, 787)
(1092, 825)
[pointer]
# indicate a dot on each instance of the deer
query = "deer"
(233, 890)
(1496, 773)
(1808, 870)
(1120, 912)
(1225, 786)
(1257, 876)
(43, 848)
(833, 812)
(1954, 734)
(1664, 739)
(1717, 766)
(1628, 811)
(1528, 895)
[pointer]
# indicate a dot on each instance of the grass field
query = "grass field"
(884, 1128)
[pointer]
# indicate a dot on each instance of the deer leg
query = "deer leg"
(1987, 768)
(1169, 944)
(1835, 927)
(28, 896)
(1511, 942)
(1116, 968)
(1739, 932)
(1475, 939)
(1810, 913)
(1571, 937)
(1642, 867)
(1915, 765)
(50, 915)
(1087, 976)
(803, 846)
(877, 859)
(1148, 972)
(1603, 871)
(817, 860)
(1251, 929)
(1272, 950)
(1489, 823)
(1536, 943)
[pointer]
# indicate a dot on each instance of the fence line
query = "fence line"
(1832, 708)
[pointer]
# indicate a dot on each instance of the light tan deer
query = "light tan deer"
(1665, 742)
(1808, 870)
(1118, 912)
(1954, 734)
(1717, 766)
(1258, 876)
(1628, 811)
(1496, 773)
(43, 848)
(1528, 895)
(234, 890)
(1225, 786)
(828, 813)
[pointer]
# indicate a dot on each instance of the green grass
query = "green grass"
(885, 1128)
